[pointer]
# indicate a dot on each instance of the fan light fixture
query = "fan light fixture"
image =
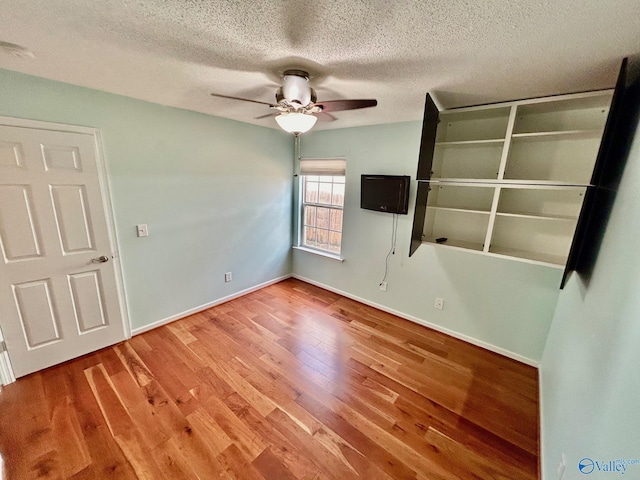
(296, 122)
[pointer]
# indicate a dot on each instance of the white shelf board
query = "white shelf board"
(464, 182)
(537, 216)
(451, 242)
(533, 257)
(464, 143)
(506, 183)
(559, 133)
(509, 254)
(548, 183)
(457, 209)
(540, 183)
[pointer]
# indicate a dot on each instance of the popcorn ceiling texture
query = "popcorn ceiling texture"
(175, 52)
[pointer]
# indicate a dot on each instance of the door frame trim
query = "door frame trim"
(6, 371)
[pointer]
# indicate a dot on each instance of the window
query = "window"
(322, 199)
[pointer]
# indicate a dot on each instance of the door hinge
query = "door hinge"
(3, 346)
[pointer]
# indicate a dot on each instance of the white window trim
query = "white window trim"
(321, 253)
(303, 204)
(313, 166)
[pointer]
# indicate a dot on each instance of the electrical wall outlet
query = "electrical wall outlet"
(142, 230)
(228, 277)
(383, 286)
(439, 303)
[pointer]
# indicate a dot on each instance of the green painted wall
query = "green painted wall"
(215, 193)
(590, 389)
(502, 303)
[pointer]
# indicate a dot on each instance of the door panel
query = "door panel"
(88, 300)
(36, 312)
(70, 209)
(11, 155)
(61, 158)
(20, 240)
(56, 303)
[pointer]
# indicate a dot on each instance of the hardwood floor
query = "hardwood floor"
(289, 382)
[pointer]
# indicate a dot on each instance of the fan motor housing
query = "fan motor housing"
(295, 88)
(280, 96)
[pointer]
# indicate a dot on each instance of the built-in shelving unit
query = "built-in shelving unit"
(510, 179)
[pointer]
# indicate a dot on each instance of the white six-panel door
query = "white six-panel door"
(59, 297)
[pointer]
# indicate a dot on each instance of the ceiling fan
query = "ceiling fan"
(297, 108)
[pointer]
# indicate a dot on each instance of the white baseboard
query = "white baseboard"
(191, 311)
(425, 323)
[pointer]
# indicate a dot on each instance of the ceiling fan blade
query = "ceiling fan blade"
(272, 114)
(242, 99)
(340, 105)
(325, 117)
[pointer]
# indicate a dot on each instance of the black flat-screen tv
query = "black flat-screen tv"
(385, 193)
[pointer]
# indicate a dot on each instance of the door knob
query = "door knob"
(101, 259)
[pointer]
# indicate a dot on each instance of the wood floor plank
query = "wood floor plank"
(161, 369)
(168, 457)
(358, 439)
(355, 460)
(210, 385)
(141, 413)
(139, 456)
(180, 330)
(270, 466)
(414, 421)
(113, 410)
(246, 440)
(208, 428)
(70, 439)
(174, 361)
(473, 466)
(290, 382)
(252, 395)
(133, 363)
(108, 460)
(236, 465)
(195, 448)
(356, 398)
(324, 447)
(292, 455)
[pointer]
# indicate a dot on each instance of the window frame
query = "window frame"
(318, 167)
(330, 207)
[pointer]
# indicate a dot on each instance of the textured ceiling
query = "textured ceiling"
(175, 52)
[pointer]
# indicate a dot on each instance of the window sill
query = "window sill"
(321, 253)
